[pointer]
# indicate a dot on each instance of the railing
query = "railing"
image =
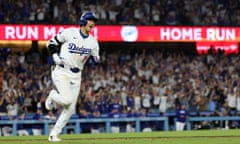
(77, 123)
(218, 118)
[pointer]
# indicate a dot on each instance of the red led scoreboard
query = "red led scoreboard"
(225, 38)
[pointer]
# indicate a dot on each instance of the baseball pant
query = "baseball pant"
(180, 126)
(68, 87)
(22, 132)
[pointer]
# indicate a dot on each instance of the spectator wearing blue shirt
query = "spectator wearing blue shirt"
(37, 128)
(130, 101)
(98, 102)
(145, 125)
(116, 110)
(130, 126)
(116, 107)
(87, 104)
(86, 110)
(106, 99)
(21, 131)
(181, 115)
(96, 114)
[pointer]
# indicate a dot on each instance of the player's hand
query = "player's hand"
(57, 59)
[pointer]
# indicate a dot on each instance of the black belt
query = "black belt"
(74, 69)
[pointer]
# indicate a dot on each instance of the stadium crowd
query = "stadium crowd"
(136, 12)
(133, 81)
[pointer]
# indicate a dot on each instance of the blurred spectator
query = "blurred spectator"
(146, 99)
(115, 112)
(50, 116)
(238, 100)
(12, 108)
(129, 101)
(231, 99)
(181, 117)
(234, 124)
(21, 131)
(137, 100)
(96, 114)
(145, 125)
(130, 126)
(201, 82)
(30, 89)
(216, 124)
(38, 128)
(6, 131)
(3, 103)
(163, 102)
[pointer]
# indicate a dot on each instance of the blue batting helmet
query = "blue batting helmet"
(87, 16)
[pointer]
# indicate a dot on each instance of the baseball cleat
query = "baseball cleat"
(54, 139)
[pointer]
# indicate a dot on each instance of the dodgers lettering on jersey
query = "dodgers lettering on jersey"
(73, 48)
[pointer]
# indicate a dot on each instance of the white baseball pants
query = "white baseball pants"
(180, 126)
(68, 88)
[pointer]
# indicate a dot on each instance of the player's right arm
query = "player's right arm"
(54, 45)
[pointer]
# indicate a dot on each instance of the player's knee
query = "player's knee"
(71, 111)
(67, 102)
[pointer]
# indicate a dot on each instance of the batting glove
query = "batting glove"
(57, 59)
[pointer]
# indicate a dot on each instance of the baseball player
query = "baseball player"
(70, 49)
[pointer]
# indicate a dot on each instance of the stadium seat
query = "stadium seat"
(153, 114)
(69, 127)
(29, 116)
(104, 116)
(4, 118)
(75, 116)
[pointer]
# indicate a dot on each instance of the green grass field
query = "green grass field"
(185, 137)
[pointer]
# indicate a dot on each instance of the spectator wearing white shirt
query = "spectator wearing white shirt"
(238, 100)
(146, 100)
(137, 100)
(163, 103)
(156, 100)
(231, 99)
(12, 109)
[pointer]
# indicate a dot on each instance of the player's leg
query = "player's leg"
(182, 126)
(63, 94)
(178, 127)
(66, 113)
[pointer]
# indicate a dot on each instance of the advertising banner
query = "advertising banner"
(217, 47)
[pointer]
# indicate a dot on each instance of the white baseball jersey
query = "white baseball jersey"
(76, 48)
